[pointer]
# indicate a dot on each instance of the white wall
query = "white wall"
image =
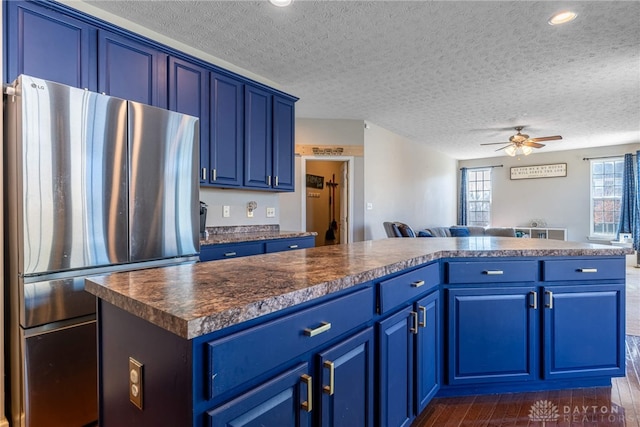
(561, 202)
(406, 182)
(237, 201)
(325, 132)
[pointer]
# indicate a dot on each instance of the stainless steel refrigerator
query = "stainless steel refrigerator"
(93, 184)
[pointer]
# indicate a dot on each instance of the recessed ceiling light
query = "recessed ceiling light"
(562, 17)
(281, 3)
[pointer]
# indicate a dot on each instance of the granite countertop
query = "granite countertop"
(237, 234)
(195, 299)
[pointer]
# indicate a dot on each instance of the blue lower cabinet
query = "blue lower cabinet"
(347, 381)
(584, 331)
(493, 335)
(427, 350)
(396, 354)
(284, 401)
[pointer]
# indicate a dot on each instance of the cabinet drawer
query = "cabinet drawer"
(241, 357)
(215, 252)
(407, 286)
(290, 244)
(492, 271)
(583, 269)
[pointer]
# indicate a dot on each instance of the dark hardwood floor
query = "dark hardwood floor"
(618, 405)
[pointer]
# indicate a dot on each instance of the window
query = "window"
(479, 197)
(606, 196)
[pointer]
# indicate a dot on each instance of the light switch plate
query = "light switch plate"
(226, 211)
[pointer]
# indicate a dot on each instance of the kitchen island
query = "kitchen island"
(305, 337)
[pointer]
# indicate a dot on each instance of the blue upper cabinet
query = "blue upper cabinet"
(283, 143)
(246, 128)
(189, 94)
(131, 70)
(49, 45)
(269, 140)
(258, 150)
(225, 149)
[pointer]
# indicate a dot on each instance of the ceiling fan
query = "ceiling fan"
(520, 143)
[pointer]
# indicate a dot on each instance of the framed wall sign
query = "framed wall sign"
(315, 181)
(539, 171)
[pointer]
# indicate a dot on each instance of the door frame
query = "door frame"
(350, 160)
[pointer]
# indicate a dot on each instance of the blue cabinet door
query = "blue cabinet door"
(427, 350)
(258, 152)
(584, 331)
(284, 401)
(225, 154)
(49, 45)
(189, 94)
(493, 335)
(131, 70)
(396, 358)
(346, 395)
(283, 144)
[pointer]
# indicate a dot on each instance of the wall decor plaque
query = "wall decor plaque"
(315, 181)
(539, 171)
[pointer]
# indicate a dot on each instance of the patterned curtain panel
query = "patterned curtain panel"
(462, 204)
(628, 202)
(636, 217)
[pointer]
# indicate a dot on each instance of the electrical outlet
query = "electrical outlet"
(271, 212)
(135, 382)
(226, 211)
(249, 213)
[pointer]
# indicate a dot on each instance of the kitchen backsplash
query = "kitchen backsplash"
(238, 202)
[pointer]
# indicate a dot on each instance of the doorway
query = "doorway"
(327, 200)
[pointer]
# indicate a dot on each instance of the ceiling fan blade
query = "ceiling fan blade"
(533, 144)
(502, 148)
(494, 143)
(545, 138)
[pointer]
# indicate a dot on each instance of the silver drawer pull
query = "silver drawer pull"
(588, 270)
(230, 253)
(493, 272)
(417, 284)
(293, 246)
(324, 327)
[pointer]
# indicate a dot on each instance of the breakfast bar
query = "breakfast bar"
(360, 334)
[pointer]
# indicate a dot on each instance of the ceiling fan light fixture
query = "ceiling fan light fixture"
(511, 150)
(562, 17)
(526, 150)
(281, 3)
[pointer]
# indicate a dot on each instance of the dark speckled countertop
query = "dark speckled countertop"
(195, 299)
(237, 234)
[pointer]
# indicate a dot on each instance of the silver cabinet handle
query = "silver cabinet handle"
(549, 304)
(533, 301)
(414, 322)
(293, 246)
(493, 272)
(203, 175)
(588, 270)
(214, 174)
(276, 180)
(423, 311)
(269, 180)
(307, 405)
(324, 327)
(230, 253)
(417, 284)
(329, 389)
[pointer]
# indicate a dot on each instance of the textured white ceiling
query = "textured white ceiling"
(449, 74)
